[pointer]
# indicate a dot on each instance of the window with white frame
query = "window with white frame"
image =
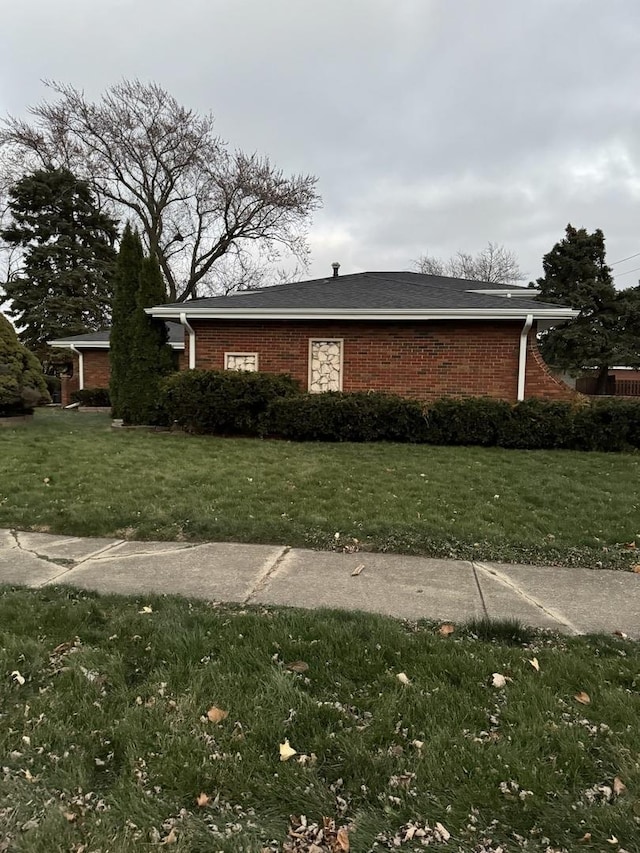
(247, 361)
(325, 365)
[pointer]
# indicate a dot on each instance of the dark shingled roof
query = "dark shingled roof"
(369, 290)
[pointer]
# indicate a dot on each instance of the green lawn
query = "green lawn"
(71, 473)
(105, 742)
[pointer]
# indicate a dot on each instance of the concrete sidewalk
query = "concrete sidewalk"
(571, 600)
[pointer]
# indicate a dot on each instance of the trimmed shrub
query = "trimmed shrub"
(223, 402)
(607, 425)
(336, 416)
(538, 425)
(92, 397)
(473, 420)
(53, 384)
(22, 385)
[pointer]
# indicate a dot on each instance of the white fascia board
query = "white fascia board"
(358, 314)
(64, 344)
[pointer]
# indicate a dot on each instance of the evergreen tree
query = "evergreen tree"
(64, 286)
(22, 384)
(125, 294)
(603, 334)
(152, 358)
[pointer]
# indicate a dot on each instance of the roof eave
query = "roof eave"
(67, 344)
(514, 313)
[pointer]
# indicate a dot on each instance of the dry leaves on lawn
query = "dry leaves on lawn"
(403, 678)
(534, 663)
(304, 837)
(297, 666)
(498, 679)
(286, 751)
(216, 715)
(619, 787)
(18, 677)
(203, 799)
(583, 698)
(446, 630)
(636, 568)
(146, 609)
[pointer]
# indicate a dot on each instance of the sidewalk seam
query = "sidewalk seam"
(530, 599)
(266, 576)
(480, 592)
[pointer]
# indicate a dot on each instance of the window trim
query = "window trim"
(325, 340)
(241, 354)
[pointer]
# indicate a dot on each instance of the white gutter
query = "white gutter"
(192, 340)
(80, 366)
(522, 359)
(360, 314)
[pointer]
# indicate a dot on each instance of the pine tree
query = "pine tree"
(576, 274)
(152, 358)
(22, 384)
(125, 292)
(64, 286)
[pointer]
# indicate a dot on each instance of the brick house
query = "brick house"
(406, 333)
(90, 359)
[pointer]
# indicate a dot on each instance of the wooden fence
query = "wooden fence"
(615, 387)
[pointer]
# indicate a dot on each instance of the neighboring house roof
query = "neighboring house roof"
(100, 340)
(372, 295)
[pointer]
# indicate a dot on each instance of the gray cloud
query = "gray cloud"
(432, 126)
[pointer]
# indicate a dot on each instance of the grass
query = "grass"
(71, 473)
(106, 745)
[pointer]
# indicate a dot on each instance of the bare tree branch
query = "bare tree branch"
(149, 158)
(494, 264)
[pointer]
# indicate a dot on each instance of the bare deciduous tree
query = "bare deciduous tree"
(151, 159)
(494, 264)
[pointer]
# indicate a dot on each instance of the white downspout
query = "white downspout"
(192, 341)
(80, 366)
(522, 360)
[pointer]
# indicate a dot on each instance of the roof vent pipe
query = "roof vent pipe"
(335, 266)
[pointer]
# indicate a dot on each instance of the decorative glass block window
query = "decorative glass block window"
(325, 365)
(241, 361)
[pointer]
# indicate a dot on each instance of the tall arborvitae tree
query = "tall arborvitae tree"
(125, 295)
(152, 358)
(64, 284)
(604, 333)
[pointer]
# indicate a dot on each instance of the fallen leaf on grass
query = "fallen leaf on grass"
(403, 678)
(203, 799)
(621, 634)
(446, 835)
(356, 571)
(636, 568)
(342, 837)
(286, 751)
(297, 666)
(172, 838)
(446, 630)
(534, 663)
(146, 609)
(216, 715)
(585, 837)
(18, 677)
(612, 840)
(70, 816)
(498, 680)
(583, 698)
(619, 787)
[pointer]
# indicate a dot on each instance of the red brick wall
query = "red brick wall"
(96, 368)
(424, 360)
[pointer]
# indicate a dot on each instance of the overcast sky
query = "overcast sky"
(432, 125)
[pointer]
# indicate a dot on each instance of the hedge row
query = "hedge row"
(91, 397)
(261, 404)
(223, 402)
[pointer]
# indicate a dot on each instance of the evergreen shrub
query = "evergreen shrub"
(223, 402)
